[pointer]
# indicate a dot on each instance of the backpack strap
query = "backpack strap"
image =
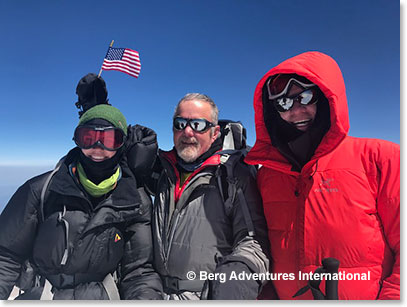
(61, 215)
(108, 282)
(61, 219)
(229, 159)
(228, 141)
(45, 188)
(47, 294)
(111, 288)
(230, 183)
(246, 213)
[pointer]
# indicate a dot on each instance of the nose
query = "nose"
(297, 107)
(98, 147)
(188, 131)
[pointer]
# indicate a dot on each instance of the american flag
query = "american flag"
(122, 59)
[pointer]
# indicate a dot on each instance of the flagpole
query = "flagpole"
(111, 45)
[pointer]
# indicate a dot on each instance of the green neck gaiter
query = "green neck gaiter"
(103, 187)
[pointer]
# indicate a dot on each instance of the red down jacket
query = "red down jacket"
(345, 202)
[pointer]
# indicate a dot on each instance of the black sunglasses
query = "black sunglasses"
(307, 97)
(196, 124)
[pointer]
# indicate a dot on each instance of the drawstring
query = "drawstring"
(299, 184)
(316, 168)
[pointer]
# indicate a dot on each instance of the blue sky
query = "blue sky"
(221, 48)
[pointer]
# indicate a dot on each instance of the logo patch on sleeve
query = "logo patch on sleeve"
(117, 238)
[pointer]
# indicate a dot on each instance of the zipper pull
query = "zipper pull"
(296, 193)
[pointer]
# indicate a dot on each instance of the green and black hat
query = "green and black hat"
(106, 112)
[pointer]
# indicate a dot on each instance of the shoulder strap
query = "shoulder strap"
(45, 188)
(229, 161)
(111, 287)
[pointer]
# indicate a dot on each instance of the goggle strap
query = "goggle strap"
(285, 90)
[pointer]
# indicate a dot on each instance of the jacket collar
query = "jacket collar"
(171, 157)
(125, 194)
(171, 165)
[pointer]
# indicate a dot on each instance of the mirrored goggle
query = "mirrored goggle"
(307, 97)
(196, 124)
(286, 89)
(109, 138)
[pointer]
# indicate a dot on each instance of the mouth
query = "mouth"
(98, 159)
(189, 143)
(302, 124)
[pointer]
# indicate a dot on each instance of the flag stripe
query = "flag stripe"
(131, 53)
(131, 57)
(131, 61)
(124, 60)
(122, 70)
(120, 64)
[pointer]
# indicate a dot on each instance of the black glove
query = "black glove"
(141, 150)
(91, 91)
(247, 289)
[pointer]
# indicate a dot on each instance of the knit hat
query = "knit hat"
(106, 112)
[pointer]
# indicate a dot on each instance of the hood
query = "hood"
(322, 70)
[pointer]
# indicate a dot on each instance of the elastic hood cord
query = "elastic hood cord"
(316, 168)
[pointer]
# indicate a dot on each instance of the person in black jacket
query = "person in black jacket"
(199, 247)
(89, 222)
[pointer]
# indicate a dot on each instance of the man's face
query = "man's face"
(189, 143)
(300, 116)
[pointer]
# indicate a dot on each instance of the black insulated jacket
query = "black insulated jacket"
(114, 235)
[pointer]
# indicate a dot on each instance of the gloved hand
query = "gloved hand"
(141, 150)
(247, 289)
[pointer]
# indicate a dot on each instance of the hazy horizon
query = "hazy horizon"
(17, 175)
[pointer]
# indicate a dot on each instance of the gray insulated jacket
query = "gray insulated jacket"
(193, 232)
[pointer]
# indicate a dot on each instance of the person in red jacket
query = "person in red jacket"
(325, 194)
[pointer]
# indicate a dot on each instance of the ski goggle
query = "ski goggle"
(196, 124)
(287, 87)
(282, 102)
(307, 97)
(109, 138)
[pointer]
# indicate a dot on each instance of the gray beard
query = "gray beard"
(187, 154)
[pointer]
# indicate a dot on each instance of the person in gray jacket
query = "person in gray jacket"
(200, 248)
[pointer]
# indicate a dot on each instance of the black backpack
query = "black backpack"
(234, 150)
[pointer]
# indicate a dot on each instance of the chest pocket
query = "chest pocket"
(55, 238)
(101, 245)
(107, 247)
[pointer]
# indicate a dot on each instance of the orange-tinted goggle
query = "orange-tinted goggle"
(109, 138)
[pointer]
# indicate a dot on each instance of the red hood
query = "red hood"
(325, 73)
